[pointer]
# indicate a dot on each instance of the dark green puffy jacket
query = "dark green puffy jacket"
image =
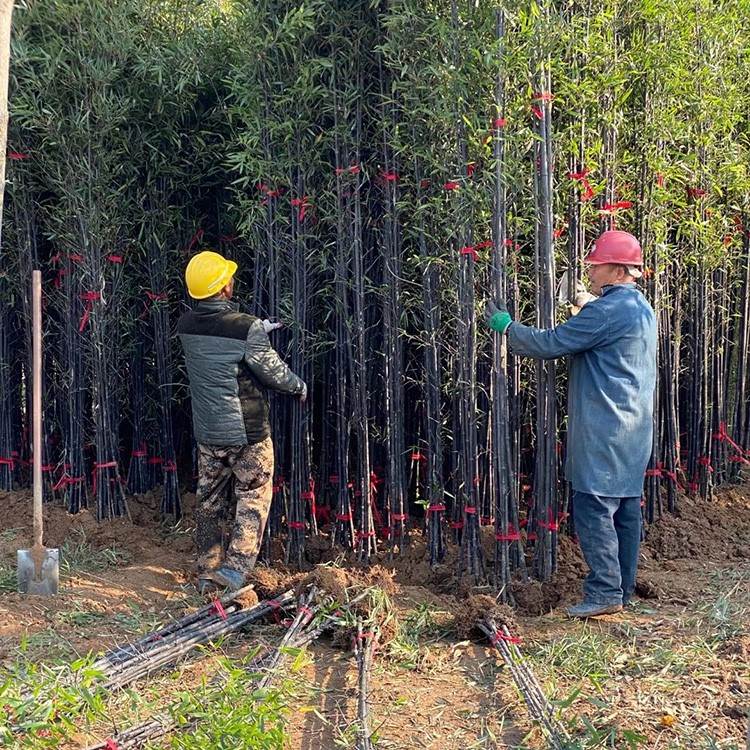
(230, 364)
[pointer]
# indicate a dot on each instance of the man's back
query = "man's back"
(610, 394)
(230, 364)
(611, 397)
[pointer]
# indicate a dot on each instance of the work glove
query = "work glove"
(497, 316)
(303, 393)
(268, 326)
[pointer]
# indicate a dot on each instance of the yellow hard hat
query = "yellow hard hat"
(208, 273)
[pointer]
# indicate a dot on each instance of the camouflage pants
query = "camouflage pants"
(234, 490)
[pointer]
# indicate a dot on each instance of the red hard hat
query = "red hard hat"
(616, 247)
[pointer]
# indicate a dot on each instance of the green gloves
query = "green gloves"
(497, 316)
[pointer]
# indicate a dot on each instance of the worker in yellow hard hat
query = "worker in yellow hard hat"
(230, 365)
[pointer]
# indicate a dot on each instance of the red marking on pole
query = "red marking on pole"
(399, 516)
(618, 206)
(17, 155)
(499, 636)
(696, 192)
(456, 524)
(470, 510)
(451, 185)
(499, 122)
(301, 204)
(112, 258)
(542, 96)
(706, 461)
(469, 250)
(417, 456)
(510, 536)
(138, 454)
(218, 607)
(64, 481)
(484, 245)
(436, 508)
(89, 298)
(537, 112)
(471, 168)
(111, 745)
(388, 176)
(365, 534)
(343, 516)
(8, 462)
(659, 180)
(723, 436)
(296, 525)
(353, 169)
(194, 240)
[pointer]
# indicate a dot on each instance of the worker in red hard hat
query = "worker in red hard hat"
(612, 346)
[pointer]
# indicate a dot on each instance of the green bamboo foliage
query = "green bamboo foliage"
(378, 169)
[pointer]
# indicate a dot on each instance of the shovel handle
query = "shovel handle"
(36, 453)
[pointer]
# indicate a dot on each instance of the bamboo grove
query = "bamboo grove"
(378, 170)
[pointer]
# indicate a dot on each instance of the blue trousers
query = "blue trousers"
(609, 532)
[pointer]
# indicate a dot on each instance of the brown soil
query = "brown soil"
(153, 571)
(718, 529)
(468, 612)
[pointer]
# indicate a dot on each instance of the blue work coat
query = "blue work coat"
(612, 343)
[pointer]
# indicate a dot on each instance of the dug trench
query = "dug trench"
(122, 578)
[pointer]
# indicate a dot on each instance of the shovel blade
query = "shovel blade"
(48, 580)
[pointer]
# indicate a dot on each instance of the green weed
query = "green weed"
(78, 555)
(8, 579)
(409, 647)
(585, 655)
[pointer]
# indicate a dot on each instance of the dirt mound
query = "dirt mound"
(716, 529)
(270, 582)
(143, 538)
(533, 597)
(468, 612)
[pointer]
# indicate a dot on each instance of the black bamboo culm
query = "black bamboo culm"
(508, 546)
(266, 665)
(366, 541)
(365, 643)
(436, 508)
(545, 511)
(539, 707)
(167, 646)
(393, 355)
(171, 505)
(471, 560)
(138, 480)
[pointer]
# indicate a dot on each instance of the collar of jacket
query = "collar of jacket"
(216, 305)
(613, 287)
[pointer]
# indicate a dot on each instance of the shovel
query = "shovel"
(38, 567)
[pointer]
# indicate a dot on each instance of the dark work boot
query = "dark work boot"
(206, 585)
(228, 577)
(591, 609)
